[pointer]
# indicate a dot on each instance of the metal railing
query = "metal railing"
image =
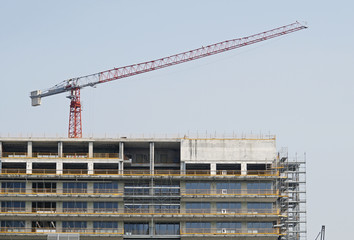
(56, 155)
(187, 192)
(144, 211)
(140, 172)
(240, 231)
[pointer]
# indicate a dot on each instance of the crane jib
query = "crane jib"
(74, 85)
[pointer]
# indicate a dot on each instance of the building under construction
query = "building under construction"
(150, 188)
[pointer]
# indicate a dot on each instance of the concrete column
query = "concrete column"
(213, 168)
(59, 167)
(90, 225)
(152, 157)
(90, 207)
(90, 147)
(29, 167)
(60, 149)
(243, 168)
(152, 227)
(0, 149)
(121, 158)
(28, 187)
(28, 206)
(59, 226)
(59, 187)
(28, 226)
(90, 168)
(59, 207)
(29, 149)
(90, 187)
(183, 167)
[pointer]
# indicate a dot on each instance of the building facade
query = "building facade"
(148, 188)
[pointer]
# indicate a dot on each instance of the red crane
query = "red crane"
(74, 85)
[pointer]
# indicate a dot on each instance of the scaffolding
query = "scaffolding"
(292, 201)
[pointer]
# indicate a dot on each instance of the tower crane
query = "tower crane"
(74, 85)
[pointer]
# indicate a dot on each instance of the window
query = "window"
(260, 225)
(74, 187)
(74, 206)
(43, 206)
(136, 228)
(141, 158)
(73, 226)
(105, 206)
(197, 187)
(44, 187)
(197, 207)
(198, 227)
(228, 225)
(259, 187)
(106, 226)
(136, 188)
(9, 225)
(167, 208)
(167, 228)
(13, 206)
(228, 187)
(136, 208)
(228, 207)
(13, 186)
(260, 207)
(106, 187)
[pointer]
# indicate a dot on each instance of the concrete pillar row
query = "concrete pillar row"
(152, 157)
(60, 149)
(90, 147)
(213, 168)
(59, 167)
(243, 168)
(29, 149)
(121, 158)
(29, 167)
(90, 169)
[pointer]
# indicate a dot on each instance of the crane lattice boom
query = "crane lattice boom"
(75, 84)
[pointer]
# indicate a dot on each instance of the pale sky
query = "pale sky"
(298, 87)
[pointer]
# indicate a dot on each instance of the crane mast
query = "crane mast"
(74, 85)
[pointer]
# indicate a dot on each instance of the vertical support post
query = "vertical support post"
(121, 158)
(60, 149)
(243, 169)
(0, 156)
(29, 149)
(90, 167)
(29, 167)
(59, 169)
(213, 168)
(90, 148)
(183, 167)
(152, 158)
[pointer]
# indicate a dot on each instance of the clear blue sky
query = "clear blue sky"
(299, 87)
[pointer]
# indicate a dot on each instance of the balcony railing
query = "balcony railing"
(229, 192)
(56, 155)
(230, 231)
(43, 230)
(145, 172)
(145, 211)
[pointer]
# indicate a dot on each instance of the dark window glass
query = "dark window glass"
(228, 185)
(74, 224)
(228, 225)
(260, 225)
(198, 224)
(167, 228)
(228, 205)
(105, 224)
(136, 228)
(197, 185)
